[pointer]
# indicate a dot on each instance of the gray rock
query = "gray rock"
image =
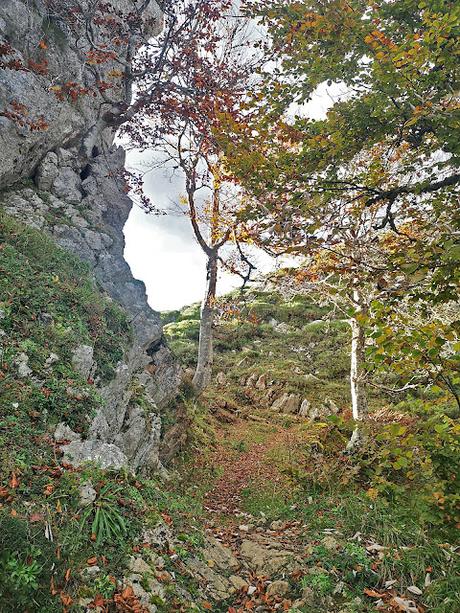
(287, 403)
(282, 327)
(305, 407)
(46, 319)
(90, 572)
(64, 433)
(141, 593)
(238, 582)
(53, 358)
(21, 362)
(138, 566)
(82, 360)
(278, 588)
(87, 494)
(216, 586)
(222, 557)
(160, 536)
(93, 239)
(67, 186)
(26, 205)
(82, 206)
(140, 438)
(47, 172)
(264, 559)
(105, 455)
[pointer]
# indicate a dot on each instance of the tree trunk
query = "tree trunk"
(203, 372)
(357, 374)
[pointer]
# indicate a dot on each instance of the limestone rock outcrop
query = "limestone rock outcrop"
(66, 179)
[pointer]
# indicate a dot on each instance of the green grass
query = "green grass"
(37, 497)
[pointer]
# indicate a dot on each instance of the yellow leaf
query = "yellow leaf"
(372, 493)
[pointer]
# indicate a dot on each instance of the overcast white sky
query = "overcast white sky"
(162, 251)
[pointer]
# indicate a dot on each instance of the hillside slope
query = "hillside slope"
(62, 340)
(273, 351)
(311, 528)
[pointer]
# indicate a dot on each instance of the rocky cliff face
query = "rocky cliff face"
(61, 173)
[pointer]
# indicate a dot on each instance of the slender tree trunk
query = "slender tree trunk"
(357, 374)
(203, 372)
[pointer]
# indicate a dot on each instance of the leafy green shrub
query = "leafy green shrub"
(421, 456)
(26, 562)
(319, 581)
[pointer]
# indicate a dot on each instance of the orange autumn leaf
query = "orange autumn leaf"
(98, 601)
(14, 481)
(127, 593)
(67, 574)
(167, 518)
(53, 589)
(206, 605)
(66, 599)
(91, 561)
(42, 44)
(372, 593)
(48, 490)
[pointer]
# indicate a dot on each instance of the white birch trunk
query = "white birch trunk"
(357, 374)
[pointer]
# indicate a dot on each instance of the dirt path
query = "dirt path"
(244, 463)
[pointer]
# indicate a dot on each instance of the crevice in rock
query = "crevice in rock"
(155, 346)
(86, 171)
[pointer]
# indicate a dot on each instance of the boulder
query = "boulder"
(82, 360)
(304, 410)
(22, 364)
(263, 559)
(277, 588)
(287, 403)
(64, 433)
(67, 186)
(47, 172)
(105, 455)
(261, 383)
(221, 556)
(217, 586)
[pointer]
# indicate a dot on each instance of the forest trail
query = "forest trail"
(269, 546)
(245, 455)
(264, 555)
